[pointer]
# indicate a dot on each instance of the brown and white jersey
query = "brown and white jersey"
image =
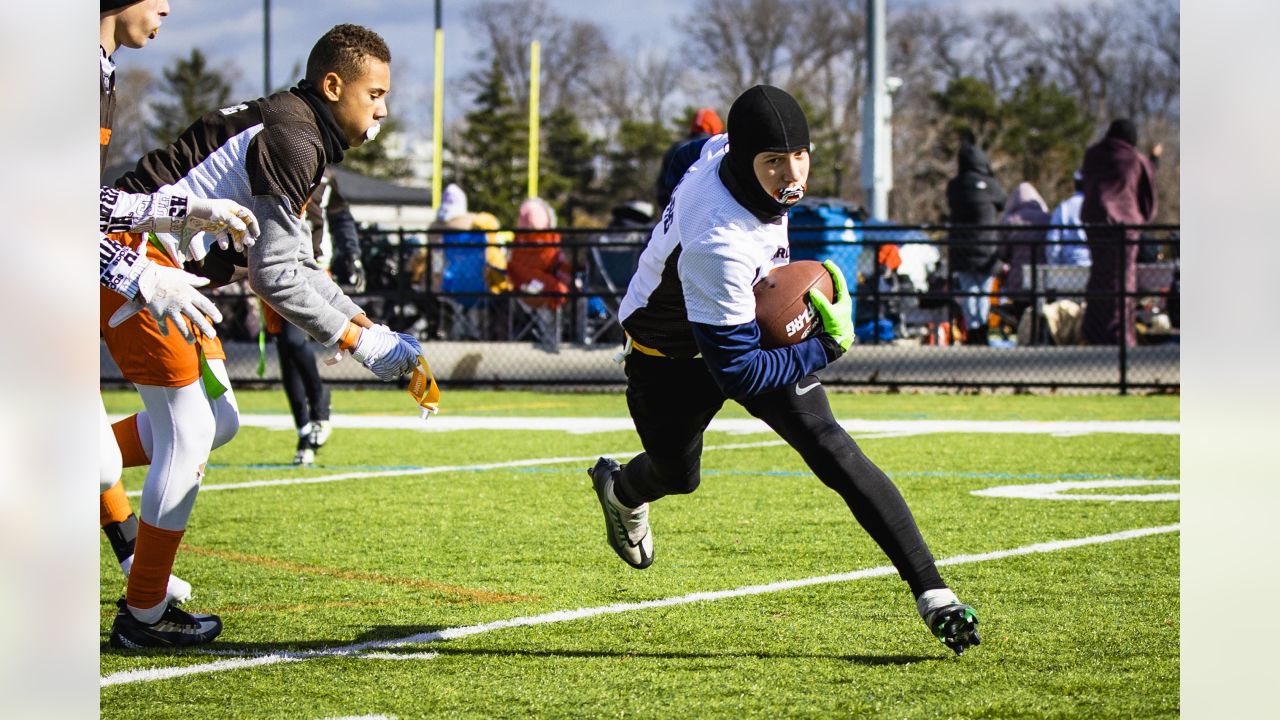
(269, 155)
(266, 147)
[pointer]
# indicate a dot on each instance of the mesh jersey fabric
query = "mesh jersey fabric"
(701, 262)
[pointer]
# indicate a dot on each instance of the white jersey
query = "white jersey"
(701, 262)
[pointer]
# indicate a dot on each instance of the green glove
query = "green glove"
(837, 317)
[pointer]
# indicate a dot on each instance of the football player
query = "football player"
(167, 293)
(267, 155)
(689, 313)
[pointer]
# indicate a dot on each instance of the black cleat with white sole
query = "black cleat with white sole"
(627, 529)
(175, 628)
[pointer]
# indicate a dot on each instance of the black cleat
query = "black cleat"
(627, 529)
(956, 626)
(175, 628)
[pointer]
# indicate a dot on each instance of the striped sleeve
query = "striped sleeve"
(119, 267)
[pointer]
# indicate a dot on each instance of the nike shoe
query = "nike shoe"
(627, 529)
(178, 590)
(306, 453)
(175, 628)
(320, 432)
(950, 620)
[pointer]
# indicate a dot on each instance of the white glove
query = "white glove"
(171, 293)
(230, 223)
(388, 354)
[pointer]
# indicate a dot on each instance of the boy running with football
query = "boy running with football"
(693, 343)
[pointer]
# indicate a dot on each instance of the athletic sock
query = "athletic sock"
(113, 505)
(132, 454)
(930, 600)
(154, 552)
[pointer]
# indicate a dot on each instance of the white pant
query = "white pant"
(178, 430)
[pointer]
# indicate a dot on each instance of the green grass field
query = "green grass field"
(318, 582)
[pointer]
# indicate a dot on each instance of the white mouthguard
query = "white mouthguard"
(791, 195)
(372, 132)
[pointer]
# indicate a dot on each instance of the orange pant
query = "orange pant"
(144, 356)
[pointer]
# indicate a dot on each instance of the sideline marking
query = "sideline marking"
(738, 426)
(363, 648)
(1055, 491)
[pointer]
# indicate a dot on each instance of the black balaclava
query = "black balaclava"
(1123, 129)
(109, 5)
(762, 119)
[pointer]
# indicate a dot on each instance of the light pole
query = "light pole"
(266, 47)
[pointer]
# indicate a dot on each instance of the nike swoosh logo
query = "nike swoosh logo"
(803, 390)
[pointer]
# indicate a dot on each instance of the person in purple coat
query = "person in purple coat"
(1119, 189)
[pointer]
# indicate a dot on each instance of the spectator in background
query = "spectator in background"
(1025, 207)
(1119, 189)
(974, 198)
(1068, 245)
(459, 263)
(333, 235)
(680, 156)
(539, 266)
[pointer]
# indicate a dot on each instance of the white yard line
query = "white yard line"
(433, 469)
(862, 429)
(364, 648)
(588, 425)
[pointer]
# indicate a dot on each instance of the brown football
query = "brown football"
(783, 310)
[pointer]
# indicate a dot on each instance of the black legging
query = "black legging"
(673, 401)
(308, 396)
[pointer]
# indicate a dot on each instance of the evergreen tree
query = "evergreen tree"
(490, 160)
(372, 158)
(567, 169)
(193, 89)
(634, 161)
(972, 113)
(1046, 136)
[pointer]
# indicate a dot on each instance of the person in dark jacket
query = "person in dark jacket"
(974, 197)
(1119, 189)
(682, 154)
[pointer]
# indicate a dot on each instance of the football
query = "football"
(783, 310)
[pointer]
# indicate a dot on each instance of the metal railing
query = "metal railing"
(478, 332)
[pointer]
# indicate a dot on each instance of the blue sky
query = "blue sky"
(230, 33)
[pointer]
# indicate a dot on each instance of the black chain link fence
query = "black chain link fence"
(449, 289)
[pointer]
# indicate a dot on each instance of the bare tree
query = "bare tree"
(1079, 45)
(1002, 49)
(130, 138)
(744, 41)
(572, 50)
(658, 74)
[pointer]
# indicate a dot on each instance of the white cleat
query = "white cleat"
(320, 432)
(626, 528)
